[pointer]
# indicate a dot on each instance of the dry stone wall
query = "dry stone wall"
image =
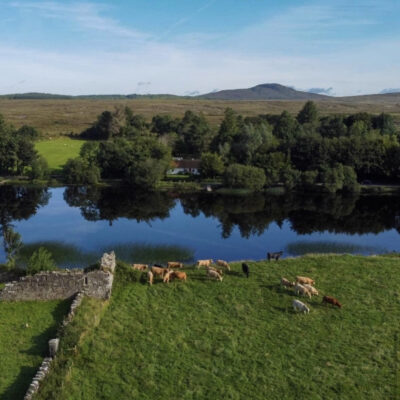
(58, 285)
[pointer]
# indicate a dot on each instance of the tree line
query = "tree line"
(303, 151)
(333, 152)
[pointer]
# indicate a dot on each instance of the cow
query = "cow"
(274, 256)
(140, 267)
(204, 263)
(179, 275)
(222, 263)
(305, 279)
(298, 305)
(311, 289)
(246, 269)
(158, 271)
(300, 289)
(168, 276)
(216, 270)
(285, 282)
(150, 277)
(331, 300)
(174, 264)
(214, 274)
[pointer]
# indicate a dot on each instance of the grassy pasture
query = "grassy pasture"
(22, 347)
(240, 339)
(60, 117)
(58, 151)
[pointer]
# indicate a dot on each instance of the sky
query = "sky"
(188, 47)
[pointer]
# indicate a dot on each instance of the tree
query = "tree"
(195, 134)
(244, 176)
(28, 132)
(25, 154)
(350, 183)
(308, 114)
(332, 178)
(39, 168)
(41, 260)
(12, 245)
(286, 128)
(211, 165)
(78, 171)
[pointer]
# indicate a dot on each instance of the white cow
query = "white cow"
(298, 305)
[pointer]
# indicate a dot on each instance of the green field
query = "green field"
(58, 151)
(239, 339)
(25, 328)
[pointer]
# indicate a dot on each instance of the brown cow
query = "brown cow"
(331, 300)
(179, 275)
(204, 263)
(222, 263)
(174, 264)
(158, 271)
(140, 267)
(305, 279)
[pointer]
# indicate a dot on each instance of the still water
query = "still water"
(77, 224)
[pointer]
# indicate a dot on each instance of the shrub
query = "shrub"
(78, 171)
(211, 165)
(39, 169)
(243, 176)
(41, 260)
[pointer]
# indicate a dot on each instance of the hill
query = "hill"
(267, 91)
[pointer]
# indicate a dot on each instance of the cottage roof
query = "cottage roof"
(187, 164)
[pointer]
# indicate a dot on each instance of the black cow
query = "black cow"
(274, 256)
(246, 269)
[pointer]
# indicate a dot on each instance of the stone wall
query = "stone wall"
(58, 285)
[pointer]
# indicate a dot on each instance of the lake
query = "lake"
(78, 223)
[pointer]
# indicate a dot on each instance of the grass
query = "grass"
(60, 117)
(58, 151)
(240, 339)
(22, 347)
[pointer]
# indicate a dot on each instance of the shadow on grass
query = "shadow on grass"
(19, 387)
(39, 348)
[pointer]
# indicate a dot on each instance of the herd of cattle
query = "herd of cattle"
(303, 285)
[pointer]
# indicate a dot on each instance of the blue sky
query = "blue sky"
(341, 47)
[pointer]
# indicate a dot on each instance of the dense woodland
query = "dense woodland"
(304, 151)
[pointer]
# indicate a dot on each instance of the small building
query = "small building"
(181, 166)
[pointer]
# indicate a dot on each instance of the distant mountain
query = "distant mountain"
(267, 91)
(49, 96)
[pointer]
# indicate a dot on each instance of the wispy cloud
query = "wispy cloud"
(86, 15)
(185, 19)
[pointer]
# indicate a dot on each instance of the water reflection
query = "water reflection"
(77, 223)
(251, 214)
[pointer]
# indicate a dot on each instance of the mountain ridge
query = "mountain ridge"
(262, 92)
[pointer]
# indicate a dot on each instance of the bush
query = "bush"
(78, 171)
(39, 169)
(211, 165)
(41, 260)
(243, 176)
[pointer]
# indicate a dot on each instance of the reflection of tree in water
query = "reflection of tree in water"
(251, 214)
(18, 203)
(111, 203)
(306, 213)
